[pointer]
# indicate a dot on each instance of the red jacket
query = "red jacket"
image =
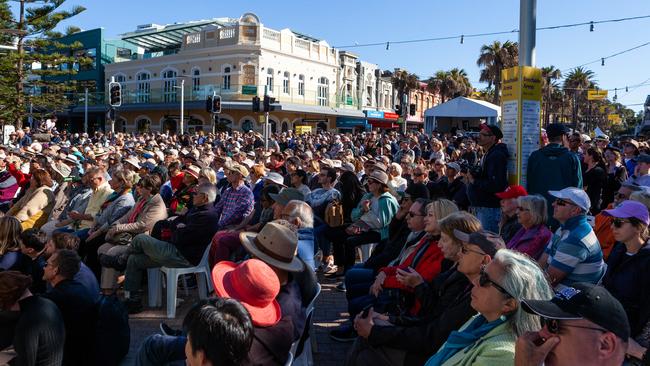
(426, 259)
(21, 177)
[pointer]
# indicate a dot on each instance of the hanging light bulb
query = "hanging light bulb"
(387, 45)
(462, 38)
(591, 26)
(602, 61)
(615, 94)
(626, 90)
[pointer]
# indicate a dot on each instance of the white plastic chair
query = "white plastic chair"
(305, 357)
(171, 275)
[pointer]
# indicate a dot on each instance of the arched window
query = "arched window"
(285, 82)
(143, 125)
(169, 86)
(269, 79)
(196, 80)
(226, 79)
(144, 87)
(285, 126)
(247, 125)
(322, 96)
(120, 78)
(301, 85)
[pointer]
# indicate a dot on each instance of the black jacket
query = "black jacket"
(39, 334)
(388, 250)
(77, 305)
(493, 178)
(200, 225)
(446, 303)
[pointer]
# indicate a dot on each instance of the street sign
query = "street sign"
(594, 94)
(302, 129)
(249, 89)
(520, 110)
(400, 120)
(614, 118)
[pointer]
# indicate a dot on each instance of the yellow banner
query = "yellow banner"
(510, 84)
(531, 86)
(596, 94)
(303, 129)
(614, 118)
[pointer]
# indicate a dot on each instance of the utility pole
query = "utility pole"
(527, 25)
(86, 110)
(405, 110)
(266, 122)
(182, 105)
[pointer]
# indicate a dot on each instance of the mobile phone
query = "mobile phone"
(539, 341)
(366, 311)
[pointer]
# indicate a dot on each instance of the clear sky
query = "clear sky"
(346, 22)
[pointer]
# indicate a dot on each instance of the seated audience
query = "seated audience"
(533, 236)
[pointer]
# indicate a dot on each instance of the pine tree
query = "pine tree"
(26, 72)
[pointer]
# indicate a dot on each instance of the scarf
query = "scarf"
(460, 339)
(111, 197)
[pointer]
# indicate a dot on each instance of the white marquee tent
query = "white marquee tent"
(461, 113)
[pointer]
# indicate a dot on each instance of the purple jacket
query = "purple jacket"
(531, 241)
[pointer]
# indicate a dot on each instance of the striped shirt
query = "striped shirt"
(574, 249)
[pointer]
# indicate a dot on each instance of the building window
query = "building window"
(90, 53)
(369, 95)
(143, 125)
(144, 87)
(387, 99)
(196, 80)
(301, 85)
(323, 91)
(285, 82)
(169, 86)
(226, 78)
(269, 79)
(428, 102)
(120, 78)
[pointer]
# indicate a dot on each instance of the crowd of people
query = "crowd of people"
(458, 267)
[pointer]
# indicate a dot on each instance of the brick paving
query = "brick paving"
(329, 312)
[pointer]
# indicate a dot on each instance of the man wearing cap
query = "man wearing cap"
(553, 167)
(8, 184)
(509, 224)
(573, 254)
(602, 141)
(582, 325)
(237, 201)
(491, 178)
(640, 176)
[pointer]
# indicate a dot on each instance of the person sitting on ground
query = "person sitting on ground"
(70, 242)
(34, 208)
(584, 317)
(489, 337)
(77, 305)
(533, 236)
(38, 331)
(509, 224)
(184, 248)
(573, 254)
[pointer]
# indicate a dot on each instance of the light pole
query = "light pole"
(527, 25)
(182, 88)
(86, 110)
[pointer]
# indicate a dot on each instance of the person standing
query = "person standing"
(491, 178)
(553, 167)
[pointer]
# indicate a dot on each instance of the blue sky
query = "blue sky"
(346, 22)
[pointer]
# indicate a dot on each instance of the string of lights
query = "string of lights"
(462, 37)
(602, 59)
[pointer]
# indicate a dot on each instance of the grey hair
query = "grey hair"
(523, 279)
(301, 210)
(208, 189)
(536, 205)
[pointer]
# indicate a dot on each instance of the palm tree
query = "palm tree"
(450, 84)
(403, 83)
(576, 82)
(550, 75)
(439, 83)
(494, 58)
(461, 85)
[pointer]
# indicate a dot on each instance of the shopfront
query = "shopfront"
(351, 125)
(382, 120)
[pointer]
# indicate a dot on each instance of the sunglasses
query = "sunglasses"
(553, 326)
(561, 202)
(484, 280)
(413, 214)
(617, 222)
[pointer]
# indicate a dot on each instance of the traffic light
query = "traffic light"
(208, 104)
(256, 104)
(268, 101)
(412, 109)
(398, 109)
(216, 104)
(115, 90)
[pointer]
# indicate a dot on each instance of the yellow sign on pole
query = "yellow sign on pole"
(594, 94)
(614, 118)
(303, 129)
(521, 99)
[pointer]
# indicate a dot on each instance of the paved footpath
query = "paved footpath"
(330, 311)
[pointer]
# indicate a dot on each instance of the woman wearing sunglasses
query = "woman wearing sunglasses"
(489, 337)
(628, 266)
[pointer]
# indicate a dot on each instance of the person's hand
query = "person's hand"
(378, 316)
(409, 278)
(365, 205)
(363, 326)
(111, 232)
(74, 215)
(376, 287)
(527, 353)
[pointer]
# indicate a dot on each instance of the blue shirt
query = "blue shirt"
(574, 249)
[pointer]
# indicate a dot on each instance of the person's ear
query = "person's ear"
(510, 306)
(486, 260)
(608, 345)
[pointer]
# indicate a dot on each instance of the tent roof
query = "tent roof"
(464, 107)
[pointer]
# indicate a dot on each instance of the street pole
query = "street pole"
(182, 104)
(405, 110)
(86, 110)
(527, 25)
(266, 131)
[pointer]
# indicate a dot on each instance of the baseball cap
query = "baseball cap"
(488, 241)
(643, 158)
(556, 129)
(584, 301)
(454, 165)
(496, 131)
(512, 191)
(575, 195)
(628, 209)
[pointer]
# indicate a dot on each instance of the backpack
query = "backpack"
(334, 214)
(112, 335)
